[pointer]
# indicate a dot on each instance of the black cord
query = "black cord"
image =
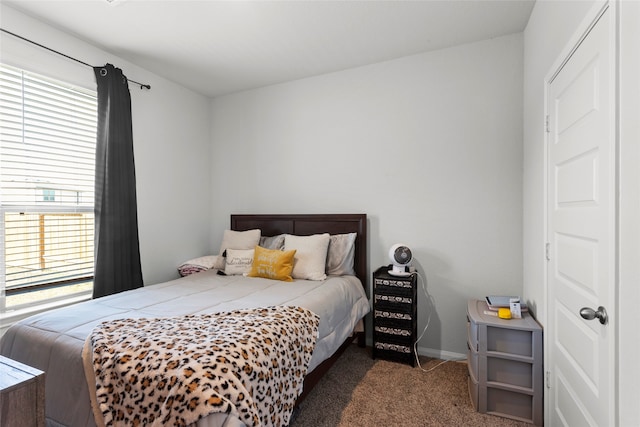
(142, 85)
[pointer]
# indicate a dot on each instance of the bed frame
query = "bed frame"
(305, 225)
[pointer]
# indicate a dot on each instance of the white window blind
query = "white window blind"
(47, 168)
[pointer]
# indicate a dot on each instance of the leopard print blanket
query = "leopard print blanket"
(174, 371)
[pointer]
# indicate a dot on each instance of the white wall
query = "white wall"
(429, 146)
(171, 142)
(551, 26)
(629, 289)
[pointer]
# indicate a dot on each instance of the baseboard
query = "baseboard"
(440, 354)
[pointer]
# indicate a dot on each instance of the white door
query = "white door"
(581, 209)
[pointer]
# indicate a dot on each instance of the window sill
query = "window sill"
(11, 316)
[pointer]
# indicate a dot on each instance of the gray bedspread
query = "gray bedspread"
(53, 341)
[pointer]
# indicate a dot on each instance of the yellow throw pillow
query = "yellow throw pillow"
(272, 264)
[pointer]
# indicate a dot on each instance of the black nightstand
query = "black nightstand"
(395, 319)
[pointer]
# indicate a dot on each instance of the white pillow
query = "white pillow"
(310, 257)
(239, 261)
(237, 240)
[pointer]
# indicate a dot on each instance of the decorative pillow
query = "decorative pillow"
(237, 240)
(341, 253)
(272, 242)
(311, 255)
(197, 264)
(272, 264)
(238, 261)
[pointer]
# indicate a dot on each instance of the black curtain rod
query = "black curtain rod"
(142, 86)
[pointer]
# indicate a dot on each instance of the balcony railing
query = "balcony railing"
(47, 254)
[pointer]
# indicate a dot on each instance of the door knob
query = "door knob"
(590, 314)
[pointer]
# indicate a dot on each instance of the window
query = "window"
(47, 169)
(49, 195)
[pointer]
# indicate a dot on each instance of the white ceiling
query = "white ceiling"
(217, 47)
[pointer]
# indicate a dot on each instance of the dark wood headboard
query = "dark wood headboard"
(307, 224)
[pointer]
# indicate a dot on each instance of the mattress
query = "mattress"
(53, 341)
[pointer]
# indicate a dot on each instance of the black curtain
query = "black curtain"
(117, 251)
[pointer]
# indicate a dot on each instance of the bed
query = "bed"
(54, 341)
